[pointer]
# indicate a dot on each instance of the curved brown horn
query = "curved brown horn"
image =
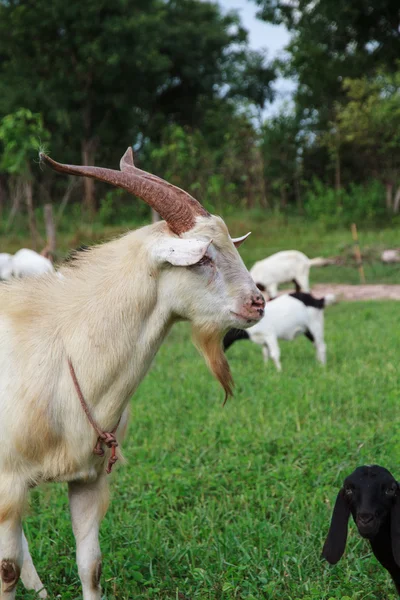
(177, 207)
(126, 164)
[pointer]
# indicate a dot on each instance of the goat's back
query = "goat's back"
(280, 267)
(284, 317)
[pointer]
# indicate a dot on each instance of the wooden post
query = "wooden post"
(50, 230)
(357, 252)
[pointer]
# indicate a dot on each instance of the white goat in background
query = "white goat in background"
(288, 265)
(4, 260)
(24, 263)
(285, 318)
(108, 315)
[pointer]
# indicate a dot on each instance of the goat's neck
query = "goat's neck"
(117, 331)
(381, 546)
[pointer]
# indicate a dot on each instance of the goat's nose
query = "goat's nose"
(365, 518)
(258, 301)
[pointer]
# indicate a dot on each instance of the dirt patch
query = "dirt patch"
(349, 292)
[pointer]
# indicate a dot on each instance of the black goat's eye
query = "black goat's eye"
(348, 492)
(390, 492)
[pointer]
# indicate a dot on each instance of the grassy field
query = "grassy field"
(269, 234)
(234, 503)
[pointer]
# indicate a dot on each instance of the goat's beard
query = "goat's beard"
(209, 343)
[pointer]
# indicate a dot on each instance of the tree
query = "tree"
(332, 40)
(102, 72)
(370, 120)
(21, 134)
(281, 149)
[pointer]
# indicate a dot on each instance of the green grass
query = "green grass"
(234, 503)
(270, 233)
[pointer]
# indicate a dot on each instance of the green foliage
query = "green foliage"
(332, 40)
(219, 177)
(22, 134)
(234, 503)
(281, 148)
(117, 207)
(105, 72)
(361, 204)
(371, 120)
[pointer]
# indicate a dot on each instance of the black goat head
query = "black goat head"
(372, 496)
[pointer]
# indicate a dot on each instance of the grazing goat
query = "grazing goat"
(285, 318)
(74, 349)
(25, 263)
(288, 265)
(372, 496)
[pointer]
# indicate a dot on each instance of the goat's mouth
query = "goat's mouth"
(248, 318)
(368, 531)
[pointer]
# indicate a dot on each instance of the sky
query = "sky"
(272, 38)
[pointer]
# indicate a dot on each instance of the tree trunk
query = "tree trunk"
(2, 198)
(50, 231)
(338, 173)
(389, 196)
(283, 197)
(15, 193)
(396, 201)
(299, 198)
(31, 215)
(89, 200)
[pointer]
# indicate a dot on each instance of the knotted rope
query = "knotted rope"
(104, 437)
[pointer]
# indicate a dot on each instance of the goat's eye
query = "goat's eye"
(348, 492)
(390, 492)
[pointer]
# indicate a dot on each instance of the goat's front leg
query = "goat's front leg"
(88, 504)
(10, 556)
(320, 347)
(272, 344)
(12, 499)
(29, 576)
(265, 352)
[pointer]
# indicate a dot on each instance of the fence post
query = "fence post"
(357, 252)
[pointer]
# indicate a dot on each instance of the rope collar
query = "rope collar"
(104, 437)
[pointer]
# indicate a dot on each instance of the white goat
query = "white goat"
(288, 265)
(25, 263)
(285, 318)
(4, 261)
(108, 315)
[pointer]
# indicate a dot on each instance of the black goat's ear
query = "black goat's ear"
(335, 542)
(395, 526)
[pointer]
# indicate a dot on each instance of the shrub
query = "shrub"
(356, 203)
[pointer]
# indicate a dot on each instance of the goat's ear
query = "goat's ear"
(180, 252)
(335, 542)
(395, 526)
(239, 241)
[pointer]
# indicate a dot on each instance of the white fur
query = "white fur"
(25, 263)
(285, 318)
(109, 313)
(288, 265)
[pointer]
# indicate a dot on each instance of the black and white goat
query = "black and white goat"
(372, 496)
(285, 318)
